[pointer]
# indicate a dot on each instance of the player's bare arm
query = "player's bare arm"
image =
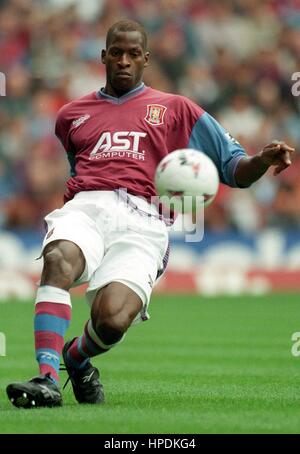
(250, 169)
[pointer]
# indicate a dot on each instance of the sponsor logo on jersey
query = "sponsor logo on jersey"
(80, 120)
(120, 144)
(155, 114)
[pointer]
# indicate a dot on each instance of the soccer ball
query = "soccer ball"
(186, 179)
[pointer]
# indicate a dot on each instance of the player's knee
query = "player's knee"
(57, 268)
(108, 334)
(115, 322)
(114, 309)
(111, 315)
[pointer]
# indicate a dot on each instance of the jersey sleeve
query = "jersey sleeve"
(62, 132)
(210, 137)
(62, 129)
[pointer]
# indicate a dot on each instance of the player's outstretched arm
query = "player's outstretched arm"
(250, 169)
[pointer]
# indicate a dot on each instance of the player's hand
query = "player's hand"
(277, 154)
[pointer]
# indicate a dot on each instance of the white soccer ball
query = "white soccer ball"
(186, 179)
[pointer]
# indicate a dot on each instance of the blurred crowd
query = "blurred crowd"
(235, 58)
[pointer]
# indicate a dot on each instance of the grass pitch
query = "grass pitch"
(200, 365)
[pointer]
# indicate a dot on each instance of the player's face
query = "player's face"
(125, 60)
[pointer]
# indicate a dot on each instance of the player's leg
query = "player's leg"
(113, 310)
(119, 295)
(72, 250)
(64, 263)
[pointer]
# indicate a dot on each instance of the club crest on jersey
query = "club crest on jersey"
(155, 114)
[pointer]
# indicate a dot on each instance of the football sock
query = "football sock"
(52, 318)
(90, 344)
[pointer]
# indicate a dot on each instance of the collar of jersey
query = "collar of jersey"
(131, 94)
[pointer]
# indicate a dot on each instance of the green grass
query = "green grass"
(200, 365)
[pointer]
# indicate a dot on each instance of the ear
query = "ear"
(146, 57)
(103, 55)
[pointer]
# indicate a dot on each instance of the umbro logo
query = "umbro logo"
(80, 120)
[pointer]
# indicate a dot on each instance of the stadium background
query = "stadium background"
(235, 58)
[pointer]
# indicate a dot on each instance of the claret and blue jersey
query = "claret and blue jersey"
(118, 142)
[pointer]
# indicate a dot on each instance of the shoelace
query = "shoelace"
(63, 368)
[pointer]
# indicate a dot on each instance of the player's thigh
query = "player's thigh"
(62, 258)
(77, 228)
(134, 262)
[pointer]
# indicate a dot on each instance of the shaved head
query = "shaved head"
(126, 26)
(125, 57)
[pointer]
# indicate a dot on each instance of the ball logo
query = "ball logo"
(196, 168)
(155, 114)
(163, 166)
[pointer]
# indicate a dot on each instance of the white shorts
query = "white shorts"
(121, 242)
